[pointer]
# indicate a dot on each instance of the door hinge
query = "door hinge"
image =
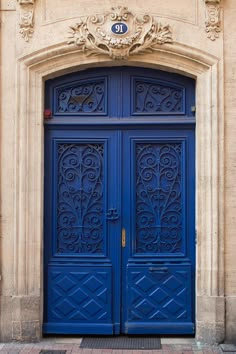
(123, 237)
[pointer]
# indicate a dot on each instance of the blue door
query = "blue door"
(119, 254)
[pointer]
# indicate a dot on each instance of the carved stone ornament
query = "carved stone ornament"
(119, 34)
(26, 18)
(213, 18)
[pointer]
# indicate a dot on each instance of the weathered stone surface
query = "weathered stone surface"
(26, 65)
(210, 319)
(6, 318)
(231, 319)
(211, 309)
(8, 5)
(28, 331)
(25, 307)
(211, 333)
(228, 348)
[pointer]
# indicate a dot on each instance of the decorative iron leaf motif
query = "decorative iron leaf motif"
(80, 198)
(84, 98)
(158, 198)
(157, 98)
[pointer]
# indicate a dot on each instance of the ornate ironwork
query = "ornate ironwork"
(80, 198)
(84, 98)
(157, 98)
(158, 198)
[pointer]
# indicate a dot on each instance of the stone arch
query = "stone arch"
(54, 61)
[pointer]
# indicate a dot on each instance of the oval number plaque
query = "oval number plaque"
(119, 28)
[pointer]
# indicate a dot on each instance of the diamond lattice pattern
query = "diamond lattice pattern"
(159, 295)
(80, 296)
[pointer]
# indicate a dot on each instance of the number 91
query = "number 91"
(119, 28)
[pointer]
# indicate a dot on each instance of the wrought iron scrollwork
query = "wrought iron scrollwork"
(80, 198)
(83, 98)
(157, 98)
(159, 199)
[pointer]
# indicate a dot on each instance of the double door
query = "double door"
(119, 256)
(119, 228)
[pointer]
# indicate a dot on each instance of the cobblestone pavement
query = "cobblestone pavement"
(72, 346)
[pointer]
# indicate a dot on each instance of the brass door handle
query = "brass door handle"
(123, 237)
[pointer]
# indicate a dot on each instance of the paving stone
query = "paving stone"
(74, 348)
(228, 348)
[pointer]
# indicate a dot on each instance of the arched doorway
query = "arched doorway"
(119, 203)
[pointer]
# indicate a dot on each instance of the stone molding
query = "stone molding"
(26, 21)
(213, 19)
(33, 70)
(94, 35)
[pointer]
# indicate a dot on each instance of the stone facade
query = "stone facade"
(42, 39)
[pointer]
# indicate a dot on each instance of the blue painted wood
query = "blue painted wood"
(119, 153)
(80, 179)
(159, 295)
(79, 295)
(158, 216)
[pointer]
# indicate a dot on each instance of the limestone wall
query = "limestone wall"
(230, 166)
(34, 36)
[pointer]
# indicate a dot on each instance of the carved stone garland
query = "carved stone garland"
(119, 34)
(213, 18)
(26, 18)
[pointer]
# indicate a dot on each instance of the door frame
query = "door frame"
(33, 69)
(125, 129)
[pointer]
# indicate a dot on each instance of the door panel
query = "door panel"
(159, 299)
(158, 216)
(79, 261)
(80, 299)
